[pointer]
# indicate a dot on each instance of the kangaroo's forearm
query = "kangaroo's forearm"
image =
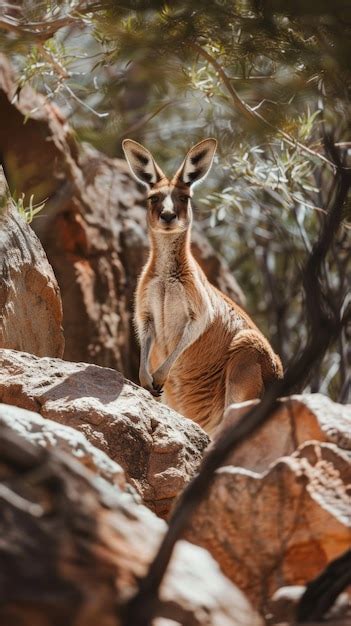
(146, 338)
(186, 339)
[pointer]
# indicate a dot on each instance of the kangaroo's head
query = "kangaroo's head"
(168, 199)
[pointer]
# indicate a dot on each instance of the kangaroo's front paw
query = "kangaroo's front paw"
(156, 391)
(158, 381)
(145, 379)
(159, 378)
(148, 383)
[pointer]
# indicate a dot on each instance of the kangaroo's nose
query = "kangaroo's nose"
(167, 216)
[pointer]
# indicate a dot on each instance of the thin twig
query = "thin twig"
(62, 72)
(41, 31)
(84, 104)
(252, 114)
(146, 119)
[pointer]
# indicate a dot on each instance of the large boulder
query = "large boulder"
(30, 303)
(280, 527)
(39, 431)
(73, 548)
(93, 228)
(299, 418)
(158, 449)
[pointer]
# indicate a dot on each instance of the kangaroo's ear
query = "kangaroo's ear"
(141, 163)
(197, 162)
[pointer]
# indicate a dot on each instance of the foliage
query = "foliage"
(268, 79)
(27, 212)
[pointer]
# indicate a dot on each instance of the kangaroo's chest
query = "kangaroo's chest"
(169, 306)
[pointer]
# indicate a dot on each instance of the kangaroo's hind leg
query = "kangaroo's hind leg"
(243, 378)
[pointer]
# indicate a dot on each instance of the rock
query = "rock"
(281, 527)
(72, 548)
(158, 449)
(30, 303)
(93, 228)
(39, 431)
(298, 419)
(284, 602)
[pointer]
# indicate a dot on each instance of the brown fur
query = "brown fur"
(197, 345)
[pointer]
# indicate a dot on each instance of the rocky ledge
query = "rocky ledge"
(158, 449)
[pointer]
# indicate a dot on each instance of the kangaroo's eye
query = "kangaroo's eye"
(154, 199)
(184, 198)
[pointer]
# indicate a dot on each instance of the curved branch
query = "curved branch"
(146, 119)
(41, 31)
(252, 114)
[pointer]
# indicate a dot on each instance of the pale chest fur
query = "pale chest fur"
(170, 311)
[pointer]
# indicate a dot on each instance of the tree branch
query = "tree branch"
(252, 114)
(146, 119)
(41, 31)
(322, 592)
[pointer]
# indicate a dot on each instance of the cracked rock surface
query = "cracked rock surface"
(48, 434)
(299, 418)
(158, 449)
(280, 527)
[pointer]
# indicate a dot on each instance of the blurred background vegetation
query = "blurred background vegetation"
(267, 78)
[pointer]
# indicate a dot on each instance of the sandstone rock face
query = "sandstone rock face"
(298, 419)
(72, 548)
(281, 527)
(30, 304)
(39, 431)
(158, 449)
(93, 229)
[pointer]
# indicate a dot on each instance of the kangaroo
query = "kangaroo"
(198, 349)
